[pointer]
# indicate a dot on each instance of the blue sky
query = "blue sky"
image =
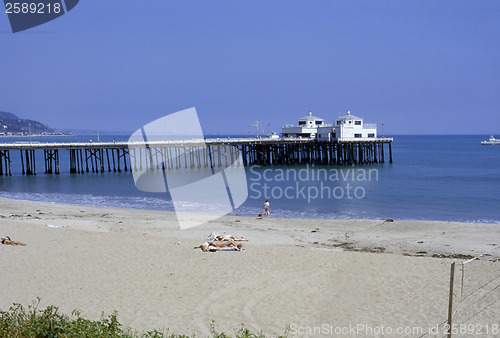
(419, 67)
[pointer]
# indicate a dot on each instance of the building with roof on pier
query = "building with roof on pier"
(307, 127)
(345, 128)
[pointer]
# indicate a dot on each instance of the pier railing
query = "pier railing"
(366, 139)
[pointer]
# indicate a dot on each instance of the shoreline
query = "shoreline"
(441, 239)
(302, 272)
(276, 217)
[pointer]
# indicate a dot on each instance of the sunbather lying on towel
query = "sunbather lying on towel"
(226, 248)
(7, 241)
(222, 246)
(230, 238)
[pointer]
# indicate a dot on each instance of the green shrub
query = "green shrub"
(49, 323)
(21, 322)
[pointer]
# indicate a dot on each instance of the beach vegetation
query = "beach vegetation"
(30, 321)
(242, 332)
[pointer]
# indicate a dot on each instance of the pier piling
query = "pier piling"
(5, 161)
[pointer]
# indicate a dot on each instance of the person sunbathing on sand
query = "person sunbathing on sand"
(229, 243)
(238, 247)
(7, 241)
(224, 246)
(230, 238)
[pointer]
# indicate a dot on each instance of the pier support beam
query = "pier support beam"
(72, 161)
(29, 157)
(5, 163)
(51, 160)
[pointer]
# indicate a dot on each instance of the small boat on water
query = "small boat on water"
(491, 141)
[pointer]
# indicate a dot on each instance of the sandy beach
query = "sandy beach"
(301, 273)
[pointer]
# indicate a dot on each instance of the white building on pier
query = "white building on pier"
(307, 127)
(345, 128)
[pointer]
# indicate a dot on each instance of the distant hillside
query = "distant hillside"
(11, 124)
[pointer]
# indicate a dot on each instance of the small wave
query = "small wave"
(130, 202)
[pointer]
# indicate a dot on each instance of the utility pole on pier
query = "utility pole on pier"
(256, 124)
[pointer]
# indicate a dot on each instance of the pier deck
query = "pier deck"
(195, 153)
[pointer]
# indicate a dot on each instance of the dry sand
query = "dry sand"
(304, 273)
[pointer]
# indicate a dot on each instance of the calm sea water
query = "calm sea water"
(445, 178)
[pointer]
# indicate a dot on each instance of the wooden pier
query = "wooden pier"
(169, 155)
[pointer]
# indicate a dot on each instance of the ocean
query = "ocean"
(442, 178)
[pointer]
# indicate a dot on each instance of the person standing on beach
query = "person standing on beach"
(266, 208)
